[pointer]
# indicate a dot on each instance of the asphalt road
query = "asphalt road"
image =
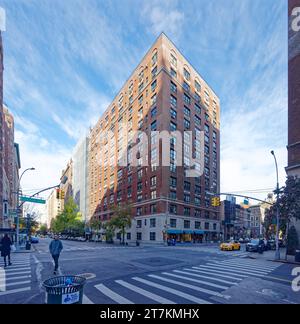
(191, 274)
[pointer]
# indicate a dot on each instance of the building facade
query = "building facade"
(54, 207)
(164, 93)
(293, 168)
(66, 186)
(80, 177)
(1, 132)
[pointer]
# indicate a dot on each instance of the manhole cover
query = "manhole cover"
(87, 276)
(273, 294)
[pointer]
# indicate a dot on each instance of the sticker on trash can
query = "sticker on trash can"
(70, 298)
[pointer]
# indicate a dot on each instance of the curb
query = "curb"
(285, 262)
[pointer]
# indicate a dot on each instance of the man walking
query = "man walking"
(55, 249)
(5, 249)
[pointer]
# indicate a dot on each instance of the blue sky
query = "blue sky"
(66, 60)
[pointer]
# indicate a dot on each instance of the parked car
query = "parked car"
(256, 245)
(230, 246)
(34, 240)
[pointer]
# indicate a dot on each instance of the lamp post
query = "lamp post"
(277, 254)
(18, 202)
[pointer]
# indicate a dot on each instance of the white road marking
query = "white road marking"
(112, 295)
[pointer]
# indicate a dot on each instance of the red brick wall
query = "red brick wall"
(294, 95)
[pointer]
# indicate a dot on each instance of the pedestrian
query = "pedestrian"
(55, 249)
(6, 244)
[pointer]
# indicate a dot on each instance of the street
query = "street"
(193, 274)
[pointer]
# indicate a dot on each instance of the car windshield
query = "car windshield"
(254, 241)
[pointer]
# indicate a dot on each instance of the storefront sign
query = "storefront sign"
(72, 298)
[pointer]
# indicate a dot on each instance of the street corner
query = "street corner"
(260, 291)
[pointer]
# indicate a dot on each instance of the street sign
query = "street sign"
(33, 200)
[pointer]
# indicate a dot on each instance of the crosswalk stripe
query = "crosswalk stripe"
(2, 285)
(172, 291)
(248, 266)
(214, 269)
(145, 293)
(17, 273)
(86, 300)
(244, 268)
(112, 295)
(15, 278)
(14, 291)
(18, 269)
(206, 283)
(228, 269)
(206, 277)
(206, 291)
(215, 274)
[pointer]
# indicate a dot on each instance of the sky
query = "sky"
(66, 60)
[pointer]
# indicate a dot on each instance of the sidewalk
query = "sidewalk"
(270, 256)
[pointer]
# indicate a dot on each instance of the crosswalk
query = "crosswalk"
(85, 248)
(196, 284)
(217, 251)
(17, 277)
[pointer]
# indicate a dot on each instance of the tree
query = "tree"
(29, 223)
(110, 228)
(69, 221)
(292, 242)
(122, 219)
(95, 223)
(43, 229)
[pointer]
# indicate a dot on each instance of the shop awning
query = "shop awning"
(174, 231)
(188, 232)
(199, 232)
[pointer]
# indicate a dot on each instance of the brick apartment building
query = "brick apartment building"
(293, 168)
(1, 131)
(164, 93)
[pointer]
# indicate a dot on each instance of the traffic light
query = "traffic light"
(60, 194)
(215, 201)
(57, 193)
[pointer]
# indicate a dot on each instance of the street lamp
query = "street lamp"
(18, 202)
(277, 254)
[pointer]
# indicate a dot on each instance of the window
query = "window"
(140, 197)
(153, 112)
(197, 224)
(173, 113)
(215, 227)
(153, 181)
(141, 100)
(197, 121)
(187, 124)
(154, 58)
(173, 209)
(207, 226)
(153, 208)
(173, 182)
(139, 221)
(207, 117)
(173, 60)
(197, 190)
(186, 87)
(173, 127)
(173, 101)
(187, 223)
(197, 98)
(197, 109)
(152, 236)
(197, 86)
(152, 222)
(197, 201)
(206, 138)
(173, 195)
(173, 222)
(173, 87)
(141, 87)
(173, 73)
(153, 194)
(206, 149)
(187, 112)
(214, 136)
(139, 236)
(186, 99)
(186, 74)
(128, 236)
(153, 85)
(153, 100)
(139, 186)
(173, 167)
(187, 198)
(187, 186)
(154, 126)
(129, 192)
(154, 72)
(172, 155)
(140, 174)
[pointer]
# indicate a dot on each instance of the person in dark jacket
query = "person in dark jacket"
(55, 249)
(5, 249)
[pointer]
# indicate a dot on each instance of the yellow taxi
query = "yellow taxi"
(230, 246)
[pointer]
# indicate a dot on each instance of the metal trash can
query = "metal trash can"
(64, 290)
(297, 256)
